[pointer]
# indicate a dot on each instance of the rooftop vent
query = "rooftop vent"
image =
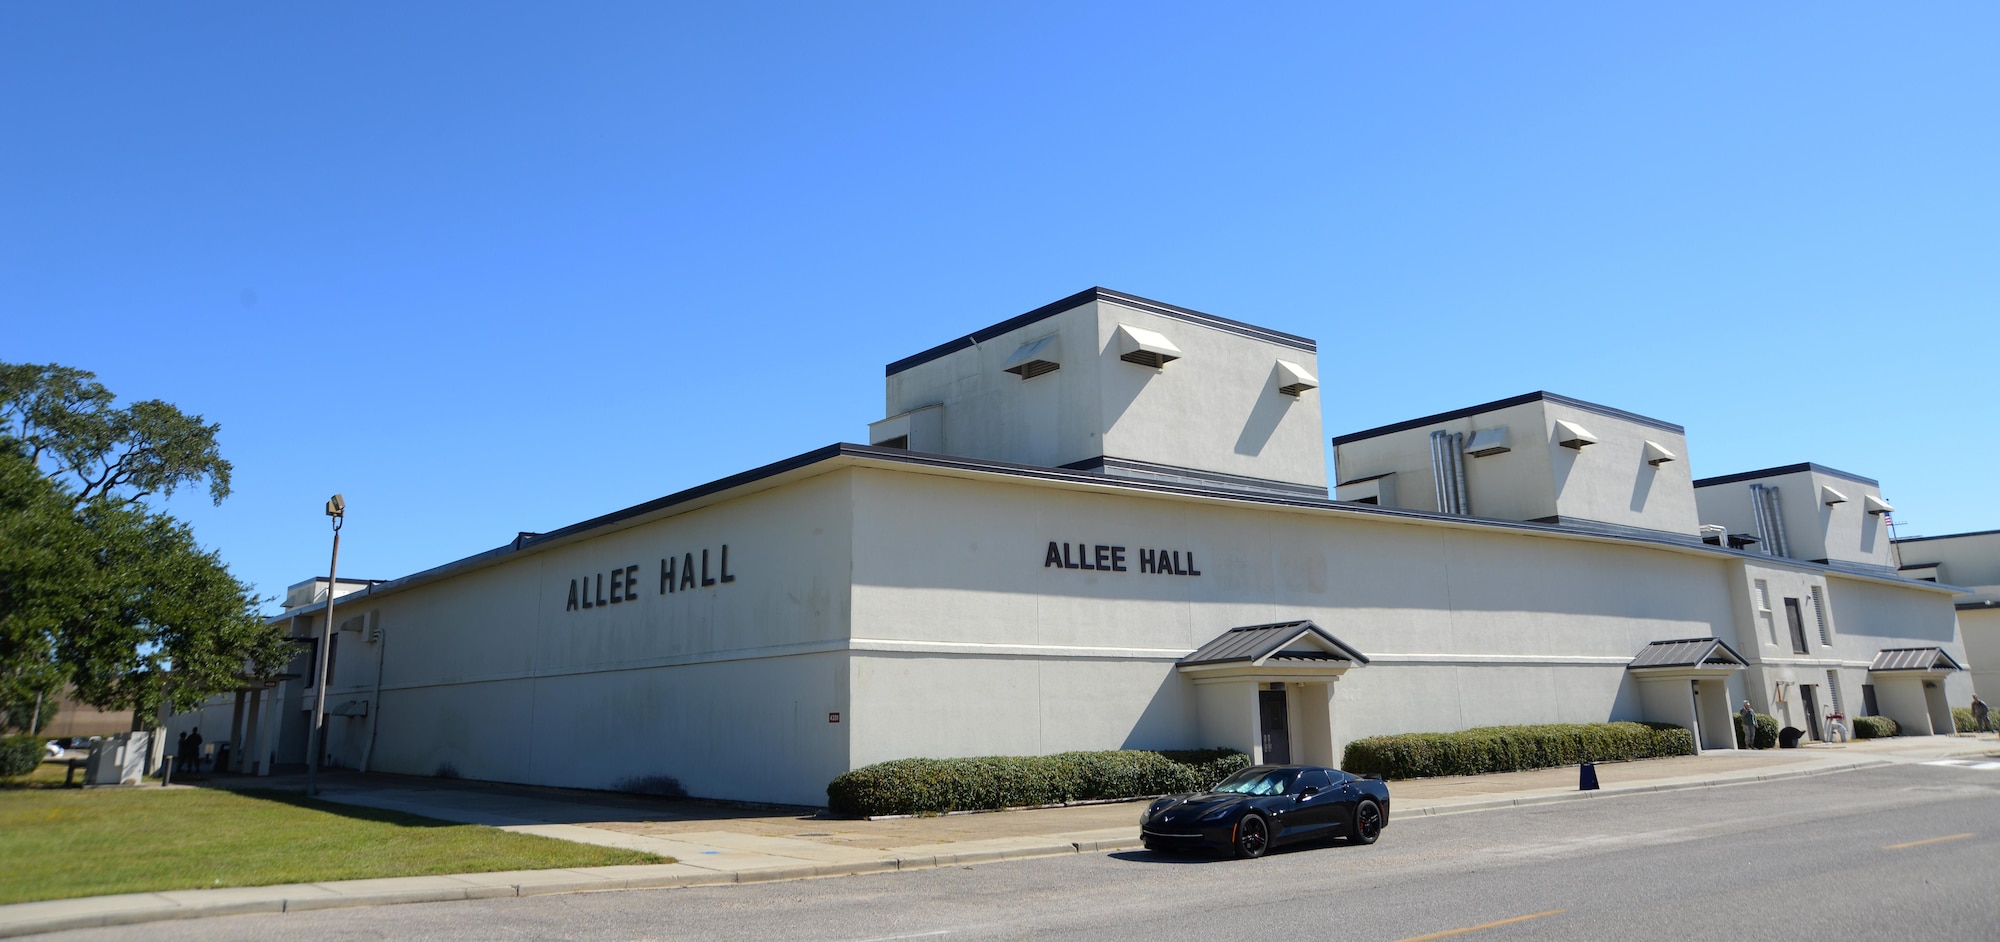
(1034, 358)
(1876, 505)
(1292, 378)
(1657, 454)
(1488, 441)
(1145, 347)
(1828, 495)
(1572, 435)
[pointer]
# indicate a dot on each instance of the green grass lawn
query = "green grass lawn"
(63, 842)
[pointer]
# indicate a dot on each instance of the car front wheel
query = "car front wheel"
(1367, 822)
(1253, 836)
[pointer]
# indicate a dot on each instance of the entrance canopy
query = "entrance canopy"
(1288, 646)
(1686, 656)
(1918, 660)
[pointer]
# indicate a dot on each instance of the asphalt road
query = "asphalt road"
(1907, 851)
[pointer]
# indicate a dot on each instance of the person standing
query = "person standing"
(1982, 717)
(194, 750)
(181, 753)
(1747, 718)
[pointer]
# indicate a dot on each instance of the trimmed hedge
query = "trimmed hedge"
(19, 755)
(1512, 748)
(1767, 732)
(1875, 727)
(935, 786)
(1962, 721)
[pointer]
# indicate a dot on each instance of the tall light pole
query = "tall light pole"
(336, 509)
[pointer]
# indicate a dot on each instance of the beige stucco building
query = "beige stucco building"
(1971, 561)
(1106, 523)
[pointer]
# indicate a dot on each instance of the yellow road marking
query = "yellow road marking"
(1448, 933)
(1928, 840)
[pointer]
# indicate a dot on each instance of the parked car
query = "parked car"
(1265, 806)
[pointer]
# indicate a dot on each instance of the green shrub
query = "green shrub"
(1961, 720)
(19, 755)
(935, 786)
(1512, 748)
(1767, 732)
(1875, 727)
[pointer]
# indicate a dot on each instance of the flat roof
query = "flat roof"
(1787, 469)
(849, 452)
(1497, 405)
(1088, 295)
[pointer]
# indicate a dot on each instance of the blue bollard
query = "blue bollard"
(1587, 777)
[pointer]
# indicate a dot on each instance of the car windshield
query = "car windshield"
(1259, 782)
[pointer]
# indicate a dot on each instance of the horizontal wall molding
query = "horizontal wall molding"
(1491, 660)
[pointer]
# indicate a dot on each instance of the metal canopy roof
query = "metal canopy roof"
(1688, 652)
(1914, 659)
(1254, 643)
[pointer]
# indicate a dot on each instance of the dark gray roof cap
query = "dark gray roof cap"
(1914, 659)
(1687, 652)
(1255, 642)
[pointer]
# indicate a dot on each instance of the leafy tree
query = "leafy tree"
(71, 430)
(97, 591)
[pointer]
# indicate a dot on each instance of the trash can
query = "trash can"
(1788, 738)
(221, 757)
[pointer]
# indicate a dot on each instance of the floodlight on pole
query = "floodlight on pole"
(336, 508)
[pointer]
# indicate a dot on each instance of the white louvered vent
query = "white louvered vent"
(1833, 691)
(1819, 615)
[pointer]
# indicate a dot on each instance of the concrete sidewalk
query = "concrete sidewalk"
(717, 844)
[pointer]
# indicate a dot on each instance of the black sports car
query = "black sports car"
(1266, 805)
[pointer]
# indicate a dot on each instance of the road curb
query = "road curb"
(136, 908)
(1616, 791)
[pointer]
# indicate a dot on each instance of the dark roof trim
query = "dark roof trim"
(1088, 295)
(1787, 469)
(1945, 536)
(1969, 606)
(1498, 404)
(1364, 480)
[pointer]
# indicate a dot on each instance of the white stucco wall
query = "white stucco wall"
(1844, 532)
(1539, 479)
(725, 687)
(1216, 409)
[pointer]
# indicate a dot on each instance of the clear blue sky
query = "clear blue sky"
(487, 268)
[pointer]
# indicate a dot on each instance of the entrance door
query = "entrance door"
(1809, 693)
(1277, 736)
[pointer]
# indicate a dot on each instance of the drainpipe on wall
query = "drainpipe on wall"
(375, 698)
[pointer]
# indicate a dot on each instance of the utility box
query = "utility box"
(118, 759)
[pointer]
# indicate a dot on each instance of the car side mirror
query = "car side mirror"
(1307, 792)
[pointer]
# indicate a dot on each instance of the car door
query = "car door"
(1315, 806)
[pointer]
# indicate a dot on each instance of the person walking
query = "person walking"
(1748, 719)
(1982, 717)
